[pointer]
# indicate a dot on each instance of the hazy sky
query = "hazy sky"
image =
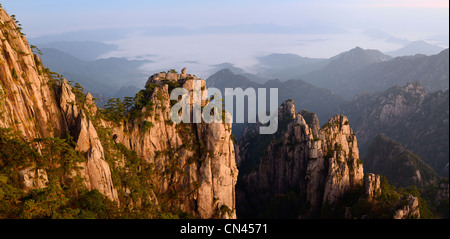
(393, 16)
(208, 32)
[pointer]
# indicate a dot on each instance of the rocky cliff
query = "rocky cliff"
(136, 157)
(195, 163)
(308, 171)
(39, 104)
(410, 210)
(317, 166)
(408, 114)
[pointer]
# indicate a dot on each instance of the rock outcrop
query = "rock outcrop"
(195, 160)
(27, 101)
(345, 169)
(39, 104)
(410, 210)
(193, 165)
(372, 185)
(33, 178)
(321, 167)
(96, 170)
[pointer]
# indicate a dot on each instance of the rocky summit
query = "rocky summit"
(320, 164)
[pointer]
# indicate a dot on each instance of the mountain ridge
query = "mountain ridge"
(400, 113)
(334, 75)
(416, 47)
(101, 76)
(322, 101)
(352, 72)
(400, 166)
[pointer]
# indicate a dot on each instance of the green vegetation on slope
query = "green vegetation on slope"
(64, 195)
(383, 206)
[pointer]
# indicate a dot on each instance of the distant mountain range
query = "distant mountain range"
(287, 66)
(83, 50)
(335, 75)
(111, 77)
(407, 114)
(291, 66)
(390, 105)
(346, 74)
(431, 71)
(417, 47)
(321, 101)
(350, 73)
(377, 34)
